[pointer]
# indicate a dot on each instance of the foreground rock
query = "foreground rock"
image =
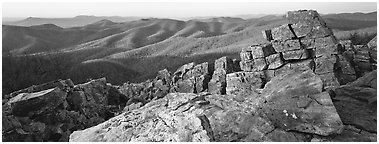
(295, 101)
(356, 103)
(357, 106)
(294, 113)
(51, 111)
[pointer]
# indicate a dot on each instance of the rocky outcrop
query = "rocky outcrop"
(223, 66)
(191, 78)
(295, 101)
(139, 94)
(306, 37)
(213, 117)
(51, 111)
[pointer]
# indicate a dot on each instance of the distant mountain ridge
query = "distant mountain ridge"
(82, 20)
(69, 22)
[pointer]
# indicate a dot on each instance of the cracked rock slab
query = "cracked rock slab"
(295, 101)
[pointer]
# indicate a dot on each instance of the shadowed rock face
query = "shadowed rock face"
(51, 114)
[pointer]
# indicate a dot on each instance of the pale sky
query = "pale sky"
(172, 9)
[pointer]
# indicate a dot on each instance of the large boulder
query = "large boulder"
(357, 106)
(64, 85)
(295, 101)
(35, 104)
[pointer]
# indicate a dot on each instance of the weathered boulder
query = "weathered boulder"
(295, 101)
(34, 104)
(308, 16)
(308, 23)
(357, 106)
(64, 85)
(52, 114)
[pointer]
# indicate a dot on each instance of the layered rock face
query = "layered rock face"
(294, 113)
(305, 40)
